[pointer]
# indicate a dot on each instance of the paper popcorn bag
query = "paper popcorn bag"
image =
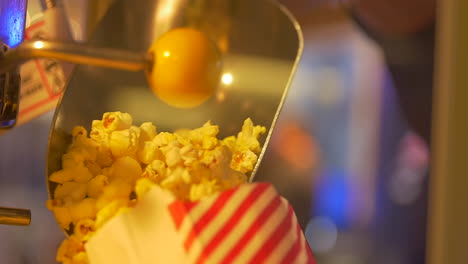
(247, 224)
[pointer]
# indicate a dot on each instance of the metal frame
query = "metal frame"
(448, 215)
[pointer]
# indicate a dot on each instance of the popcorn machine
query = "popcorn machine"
(445, 241)
(253, 37)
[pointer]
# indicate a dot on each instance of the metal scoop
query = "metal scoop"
(75, 53)
(261, 45)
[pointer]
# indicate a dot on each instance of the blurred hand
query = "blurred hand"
(395, 17)
(386, 17)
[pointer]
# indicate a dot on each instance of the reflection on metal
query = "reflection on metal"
(227, 78)
(12, 26)
(254, 33)
(75, 53)
(15, 216)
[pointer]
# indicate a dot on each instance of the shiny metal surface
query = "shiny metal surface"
(12, 26)
(75, 53)
(9, 98)
(15, 216)
(448, 216)
(261, 44)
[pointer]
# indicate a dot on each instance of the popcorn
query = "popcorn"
(63, 216)
(156, 171)
(118, 190)
(149, 152)
(70, 248)
(126, 169)
(80, 258)
(203, 189)
(93, 167)
(81, 174)
(76, 191)
(98, 133)
(115, 121)
(163, 139)
(84, 229)
(124, 142)
(106, 171)
(159, 167)
(173, 157)
(61, 176)
(85, 209)
(147, 132)
(244, 161)
(79, 131)
(73, 158)
(248, 137)
(96, 186)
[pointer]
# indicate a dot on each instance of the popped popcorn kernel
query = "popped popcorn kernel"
(68, 249)
(147, 132)
(115, 121)
(83, 210)
(124, 143)
(61, 176)
(96, 186)
(79, 131)
(84, 229)
(149, 152)
(143, 186)
(107, 171)
(163, 139)
(63, 216)
(80, 258)
(203, 189)
(118, 190)
(125, 169)
(76, 191)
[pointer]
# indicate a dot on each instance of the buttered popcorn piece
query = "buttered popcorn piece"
(106, 171)
(203, 189)
(115, 121)
(147, 132)
(124, 142)
(84, 229)
(74, 190)
(85, 209)
(149, 152)
(63, 216)
(125, 169)
(96, 186)
(69, 248)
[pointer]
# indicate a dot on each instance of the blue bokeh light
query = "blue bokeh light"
(332, 197)
(12, 21)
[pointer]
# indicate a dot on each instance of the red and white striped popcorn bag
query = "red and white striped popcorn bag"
(248, 224)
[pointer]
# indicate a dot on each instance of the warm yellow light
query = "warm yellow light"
(38, 44)
(220, 96)
(227, 79)
(166, 54)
